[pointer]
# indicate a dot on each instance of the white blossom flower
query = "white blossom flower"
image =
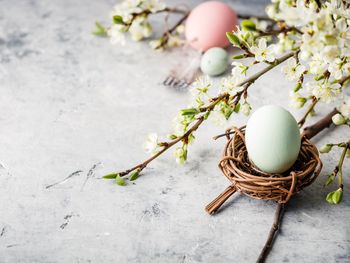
(140, 28)
(263, 52)
(153, 5)
(292, 69)
(179, 125)
(175, 41)
(219, 119)
(116, 35)
(126, 8)
(317, 66)
(229, 85)
(155, 44)
(325, 91)
(202, 82)
(151, 145)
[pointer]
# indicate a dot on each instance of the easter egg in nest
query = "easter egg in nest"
(272, 138)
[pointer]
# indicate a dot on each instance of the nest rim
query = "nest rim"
(249, 180)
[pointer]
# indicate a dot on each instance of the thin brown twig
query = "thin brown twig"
(167, 33)
(309, 132)
(323, 123)
(273, 233)
(308, 112)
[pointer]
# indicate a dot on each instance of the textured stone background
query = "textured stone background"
(71, 103)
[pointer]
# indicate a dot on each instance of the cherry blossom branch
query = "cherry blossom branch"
(207, 109)
(167, 145)
(165, 37)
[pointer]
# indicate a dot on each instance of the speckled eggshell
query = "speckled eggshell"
(272, 139)
(207, 24)
(214, 61)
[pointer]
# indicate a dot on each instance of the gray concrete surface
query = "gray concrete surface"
(73, 103)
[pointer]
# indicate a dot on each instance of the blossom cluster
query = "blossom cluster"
(132, 16)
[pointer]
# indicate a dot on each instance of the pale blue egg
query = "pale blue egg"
(272, 139)
(214, 61)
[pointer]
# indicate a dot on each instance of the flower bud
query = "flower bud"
(326, 148)
(338, 119)
(181, 155)
(246, 108)
(300, 102)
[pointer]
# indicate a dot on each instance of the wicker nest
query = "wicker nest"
(249, 180)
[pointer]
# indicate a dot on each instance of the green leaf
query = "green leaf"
(317, 78)
(206, 115)
(233, 39)
(337, 196)
(238, 56)
(118, 20)
(99, 30)
(110, 176)
(237, 108)
(326, 148)
(329, 197)
(134, 175)
(297, 87)
(188, 112)
(172, 136)
(120, 181)
(330, 179)
(248, 25)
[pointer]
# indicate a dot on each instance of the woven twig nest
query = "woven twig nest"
(249, 180)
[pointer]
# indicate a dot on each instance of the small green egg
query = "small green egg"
(214, 61)
(272, 138)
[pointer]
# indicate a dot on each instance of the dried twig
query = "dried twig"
(273, 232)
(309, 132)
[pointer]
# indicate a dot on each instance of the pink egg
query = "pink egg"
(207, 24)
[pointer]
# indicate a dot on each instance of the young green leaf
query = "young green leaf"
(248, 25)
(297, 87)
(120, 181)
(329, 198)
(233, 39)
(172, 136)
(110, 176)
(134, 175)
(337, 196)
(99, 30)
(237, 108)
(239, 56)
(188, 112)
(326, 148)
(330, 179)
(118, 20)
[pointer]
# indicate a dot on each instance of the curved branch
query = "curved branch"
(208, 108)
